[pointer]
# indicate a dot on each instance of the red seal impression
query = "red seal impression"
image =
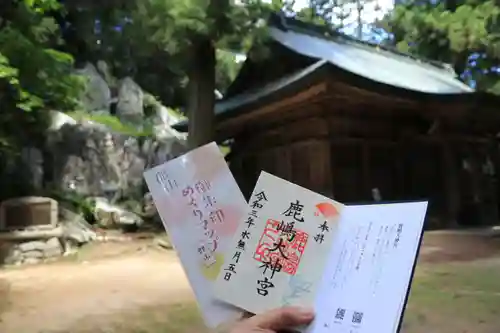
(281, 247)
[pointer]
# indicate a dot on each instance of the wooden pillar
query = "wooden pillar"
(365, 170)
(284, 162)
(311, 165)
(451, 185)
(399, 160)
(477, 191)
(326, 178)
(494, 156)
(333, 170)
(484, 184)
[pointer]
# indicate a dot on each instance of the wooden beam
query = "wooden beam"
(336, 87)
(304, 111)
(279, 107)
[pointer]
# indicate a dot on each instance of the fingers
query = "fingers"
(282, 318)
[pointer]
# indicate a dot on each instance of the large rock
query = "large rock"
(11, 255)
(37, 254)
(165, 116)
(130, 107)
(92, 160)
(97, 96)
(75, 228)
(149, 206)
(31, 261)
(105, 71)
(110, 215)
(53, 248)
(161, 151)
(163, 119)
(32, 246)
(59, 119)
(131, 163)
(31, 251)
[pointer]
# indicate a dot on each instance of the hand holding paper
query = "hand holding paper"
(286, 246)
(296, 247)
(275, 321)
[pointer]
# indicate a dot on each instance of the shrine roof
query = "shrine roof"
(370, 65)
(375, 63)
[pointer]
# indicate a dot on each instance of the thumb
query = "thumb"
(282, 318)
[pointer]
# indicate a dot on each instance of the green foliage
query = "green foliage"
(226, 70)
(149, 40)
(113, 123)
(39, 74)
(225, 150)
(188, 33)
(173, 25)
(176, 113)
(310, 15)
(333, 13)
(151, 103)
(465, 34)
(41, 6)
(155, 37)
(34, 75)
(77, 202)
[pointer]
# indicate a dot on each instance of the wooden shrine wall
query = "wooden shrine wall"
(305, 163)
(461, 188)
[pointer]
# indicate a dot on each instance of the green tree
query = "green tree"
(226, 69)
(463, 33)
(191, 31)
(34, 75)
(335, 13)
(161, 43)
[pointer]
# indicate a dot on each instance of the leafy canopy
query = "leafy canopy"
(464, 33)
(34, 74)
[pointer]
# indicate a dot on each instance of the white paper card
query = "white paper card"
(200, 205)
(367, 275)
(278, 254)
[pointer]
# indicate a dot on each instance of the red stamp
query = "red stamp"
(283, 248)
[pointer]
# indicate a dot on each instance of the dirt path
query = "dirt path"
(48, 298)
(445, 246)
(118, 278)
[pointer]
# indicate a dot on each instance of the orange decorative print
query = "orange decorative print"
(283, 249)
(327, 210)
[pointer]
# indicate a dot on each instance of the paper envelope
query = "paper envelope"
(200, 205)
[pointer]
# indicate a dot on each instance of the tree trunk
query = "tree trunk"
(201, 97)
(201, 74)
